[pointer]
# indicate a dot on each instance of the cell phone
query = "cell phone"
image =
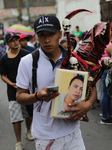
(52, 88)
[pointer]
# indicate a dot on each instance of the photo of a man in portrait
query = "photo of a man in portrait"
(72, 88)
(75, 90)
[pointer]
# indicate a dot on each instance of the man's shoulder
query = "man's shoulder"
(24, 51)
(27, 57)
(30, 48)
(3, 56)
(26, 61)
(63, 50)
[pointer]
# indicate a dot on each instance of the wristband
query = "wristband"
(37, 96)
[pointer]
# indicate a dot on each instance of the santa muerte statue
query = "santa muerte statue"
(88, 53)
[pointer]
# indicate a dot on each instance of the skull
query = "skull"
(66, 25)
(74, 63)
(106, 62)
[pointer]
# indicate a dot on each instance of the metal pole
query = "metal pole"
(28, 12)
(19, 10)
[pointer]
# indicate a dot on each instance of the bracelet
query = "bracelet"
(37, 96)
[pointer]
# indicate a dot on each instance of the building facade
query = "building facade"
(84, 20)
(16, 11)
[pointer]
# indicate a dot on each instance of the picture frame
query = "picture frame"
(72, 87)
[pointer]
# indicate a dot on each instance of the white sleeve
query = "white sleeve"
(24, 73)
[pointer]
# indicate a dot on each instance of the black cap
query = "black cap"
(9, 36)
(48, 23)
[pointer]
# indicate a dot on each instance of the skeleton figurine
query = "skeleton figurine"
(89, 52)
(74, 63)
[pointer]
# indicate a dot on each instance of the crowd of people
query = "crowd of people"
(16, 72)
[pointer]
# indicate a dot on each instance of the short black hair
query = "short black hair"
(30, 37)
(77, 27)
(63, 41)
(80, 77)
(73, 42)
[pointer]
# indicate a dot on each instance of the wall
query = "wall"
(85, 20)
(1, 4)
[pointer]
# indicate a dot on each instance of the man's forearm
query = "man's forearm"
(23, 97)
(6, 80)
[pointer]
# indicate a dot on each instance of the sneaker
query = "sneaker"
(19, 146)
(106, 121)
(29, 135)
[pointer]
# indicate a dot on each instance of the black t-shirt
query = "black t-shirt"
(8, 67)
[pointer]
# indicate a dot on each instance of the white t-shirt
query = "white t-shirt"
(30, 44)
(43, 126)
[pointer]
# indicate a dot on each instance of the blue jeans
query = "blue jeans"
(105, 99)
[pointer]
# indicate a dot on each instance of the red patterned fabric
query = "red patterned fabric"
(94, 42)
(90, 50)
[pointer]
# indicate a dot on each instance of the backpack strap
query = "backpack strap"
(35, 55)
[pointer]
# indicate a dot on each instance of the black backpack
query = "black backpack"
(35, 55)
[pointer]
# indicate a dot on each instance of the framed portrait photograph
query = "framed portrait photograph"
(72, 87)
